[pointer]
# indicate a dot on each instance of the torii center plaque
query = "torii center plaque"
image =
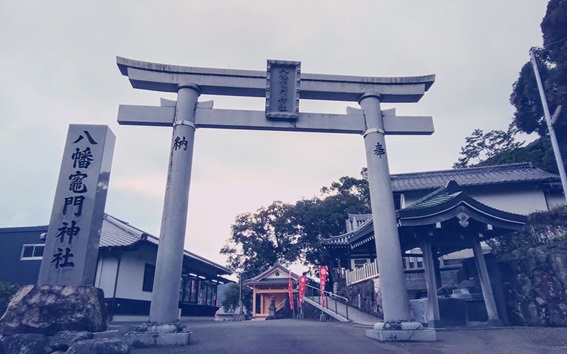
(282, 85)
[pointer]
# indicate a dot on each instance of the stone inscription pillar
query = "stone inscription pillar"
(392, 280)
(165, 295)
(73, 235)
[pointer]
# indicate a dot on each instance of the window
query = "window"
(149, 273)
(32, 252)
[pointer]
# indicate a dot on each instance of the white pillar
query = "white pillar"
(392, 280)
(165, 296)
(487, 293)
(431, 282)
(254, 302)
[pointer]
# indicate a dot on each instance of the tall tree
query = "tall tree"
(289, 233)
(528, 116)
(552, 65)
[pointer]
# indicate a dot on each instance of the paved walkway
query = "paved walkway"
(304, 336)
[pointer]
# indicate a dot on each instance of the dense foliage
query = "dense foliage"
(481, 147)
(542, 228)
(496, 147)
(232, 298)
(288, 233)
(7, 290)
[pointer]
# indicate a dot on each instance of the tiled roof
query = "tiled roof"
(440, 200)
(449, 197)
(473, 176)
(119, 233)
(440, 196)
(348, 237)
(260, 277)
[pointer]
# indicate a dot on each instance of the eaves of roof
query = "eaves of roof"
(449, 197)
(270, 282)
(270, 270)
(437, 203)
(347, 238)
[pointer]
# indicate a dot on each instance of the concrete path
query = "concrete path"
(304, 336)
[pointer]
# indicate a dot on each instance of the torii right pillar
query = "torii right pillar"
(395, 303)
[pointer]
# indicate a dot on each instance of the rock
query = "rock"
(49, 309)
(99, 346)
(25, 343)
(63, 340)
(108, 334)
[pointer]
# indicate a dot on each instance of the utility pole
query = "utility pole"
(549, 120)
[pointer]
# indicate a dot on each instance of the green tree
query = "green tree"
(497, 147)
(481, 147)
(552, 65)
(261, 239)
(289, 233)
(232, 297)
(7, 290)
(542, 228)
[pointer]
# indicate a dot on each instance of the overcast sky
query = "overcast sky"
(58, 67)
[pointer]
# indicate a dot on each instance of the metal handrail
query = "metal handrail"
(280, 305)
(335, 297)
(329, 293)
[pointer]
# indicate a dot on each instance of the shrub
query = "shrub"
(542, 228)
(7, 290)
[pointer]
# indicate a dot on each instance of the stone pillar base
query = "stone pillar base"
(154, 334)
(420, 335)
(495, 323)
(143, 340)
(401, 332)
(435, 324)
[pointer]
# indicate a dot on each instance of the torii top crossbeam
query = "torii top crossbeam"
(252, 83)
(167, 78)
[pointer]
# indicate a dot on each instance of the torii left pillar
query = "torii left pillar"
(169, 263)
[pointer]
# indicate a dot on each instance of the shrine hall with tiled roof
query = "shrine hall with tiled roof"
(472, 176)
(120, 234)
(441, 195)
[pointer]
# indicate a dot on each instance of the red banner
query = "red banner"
(322, 280)
(302, 285)
(290, 289)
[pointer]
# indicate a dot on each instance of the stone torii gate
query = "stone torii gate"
(282, 84)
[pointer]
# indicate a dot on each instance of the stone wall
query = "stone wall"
(535, 285)
(361, 296)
